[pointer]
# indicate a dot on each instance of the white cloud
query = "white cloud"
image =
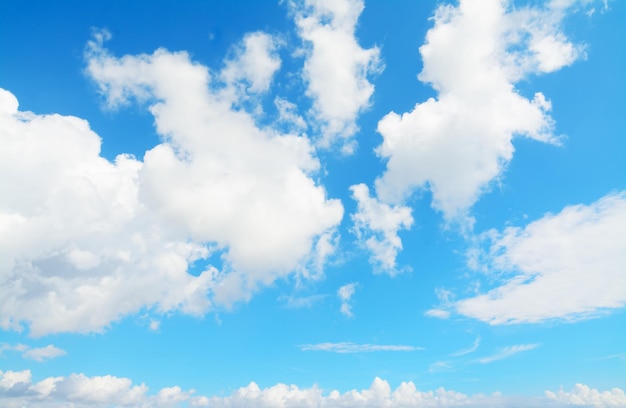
(438, 313)
(507, 352)
(379, 394)
(377, 225)
(78, 243)
(458, 143)
(81, 391)
(288, 115)
(566, 266)
(336, 67)
(87, 233)
(468, 350)
(44, 353)
(347, 347)
(583, 395)
(254, 62)
(345, 294)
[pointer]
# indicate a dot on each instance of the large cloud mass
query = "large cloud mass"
(456, 144)
(568, 265)
(85, 241)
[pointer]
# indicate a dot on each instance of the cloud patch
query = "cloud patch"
(81, 391)
(336, 67)
(376, 225)
(345, 294)
(570, 264)
(38, 354)
(457, 144)
(90, 241)
(583, 395)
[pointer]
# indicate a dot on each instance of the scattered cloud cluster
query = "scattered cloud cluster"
(570, 264)
(79, 390)
(336, 67)
(583, 395)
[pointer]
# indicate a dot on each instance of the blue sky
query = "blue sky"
(312, 203)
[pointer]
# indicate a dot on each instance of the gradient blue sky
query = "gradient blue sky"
(312, 203)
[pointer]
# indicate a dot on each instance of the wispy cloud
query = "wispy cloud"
(619, 356)
(299, 302)
(508, 352)
(468, 350)
(345, 294)
(38, 354)
(347, 347)
(440, 366)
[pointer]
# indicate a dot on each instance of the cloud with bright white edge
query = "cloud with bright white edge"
(347, 347)
(457, 144)
(88, 233)
(575, 257)
(81, 391)
(507, 352)
(345, 294)
(336, 68)
(377, 224)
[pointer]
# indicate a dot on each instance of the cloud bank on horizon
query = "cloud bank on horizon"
(18, 389)
(235, 199)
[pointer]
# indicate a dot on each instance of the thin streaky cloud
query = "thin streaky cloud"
(472, 349)
(347, 347)
(508, 352)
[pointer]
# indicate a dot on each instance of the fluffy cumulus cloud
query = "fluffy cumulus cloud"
(254, 63)
(456, 144)
(583, 395)
(17, 389)
(379, 394)
(576, 256)
(336, 68)
(376, 224)
(78, 390)
(80, 234)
